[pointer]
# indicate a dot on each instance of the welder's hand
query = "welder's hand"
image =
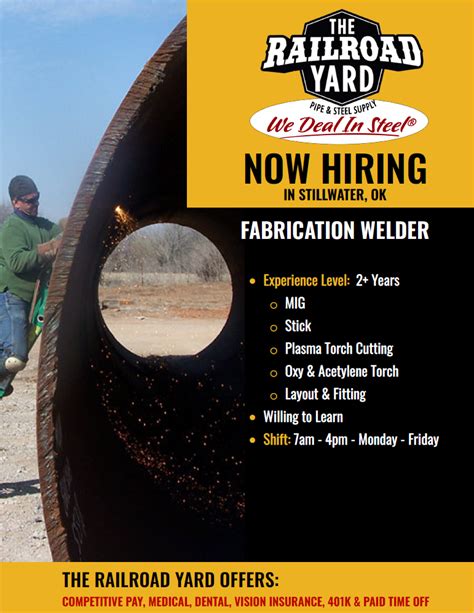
(47, 251)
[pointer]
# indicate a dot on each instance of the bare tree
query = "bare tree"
(169, 248)
(5, 211)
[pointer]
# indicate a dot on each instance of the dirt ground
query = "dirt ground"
(147, 320)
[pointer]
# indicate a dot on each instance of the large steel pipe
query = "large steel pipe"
(139, 457)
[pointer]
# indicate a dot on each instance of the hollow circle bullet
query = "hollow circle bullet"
(252, 439)
(273, 328)
(252, 417)
(273, 305)
(252, 281)
(273, 373)
(273, 396)
(273, 350)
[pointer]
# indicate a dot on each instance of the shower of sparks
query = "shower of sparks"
(189, 444)
(125, 219)
(123, 224)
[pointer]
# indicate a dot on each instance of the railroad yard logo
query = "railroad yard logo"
(342, 56)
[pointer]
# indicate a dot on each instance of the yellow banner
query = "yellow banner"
(256, 137)
(431, 587)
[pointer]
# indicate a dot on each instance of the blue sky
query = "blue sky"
(65, 67)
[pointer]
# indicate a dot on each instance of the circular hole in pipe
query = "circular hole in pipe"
(165, 290)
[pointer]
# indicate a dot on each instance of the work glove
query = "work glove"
(47, 251)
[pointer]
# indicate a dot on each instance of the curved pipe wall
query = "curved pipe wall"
(139, 458)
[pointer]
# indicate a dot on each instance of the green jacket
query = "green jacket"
(20, 264)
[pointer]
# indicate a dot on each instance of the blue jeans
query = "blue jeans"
(14, 314)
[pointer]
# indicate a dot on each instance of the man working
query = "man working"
(28, 245)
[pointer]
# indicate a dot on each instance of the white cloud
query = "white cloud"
(60, 11)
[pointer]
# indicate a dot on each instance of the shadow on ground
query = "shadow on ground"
(19, 488)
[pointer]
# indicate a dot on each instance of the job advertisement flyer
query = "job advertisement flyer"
(254, 379)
